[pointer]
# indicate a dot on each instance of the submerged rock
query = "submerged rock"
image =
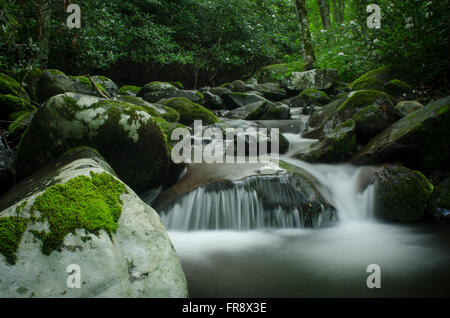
(125, 134)
(80, 213)
(402, 194)
(244, 197)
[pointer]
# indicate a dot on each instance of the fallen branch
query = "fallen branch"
(104, 95)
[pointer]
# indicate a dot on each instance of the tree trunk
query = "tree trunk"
(335, 12)
(43, 31)
(305, 35)
(341, 11)
(324, 7)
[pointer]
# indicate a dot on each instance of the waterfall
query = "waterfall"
(253, 203)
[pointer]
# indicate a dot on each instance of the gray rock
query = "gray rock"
(219, 91)
(108, 84)
(320, 79)
(239, 86)
(213, 101)
(271, 91)
(235, 100)
(407, 107)
(136, 260)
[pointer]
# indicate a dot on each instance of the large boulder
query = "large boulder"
(310, 97)
(190, 111)
(419, 140)
(156, 110)
(154, 87)
(337, 146)
(277, 73)
(320, 79)
(439, 207)
(235, 100)
(13, 98)
(81, 214)
(370, 121)
(373, 80)
(402, 195)
(54, 82)
(125, 134)
(193, 96)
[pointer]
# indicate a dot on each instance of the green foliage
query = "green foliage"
(92, 203)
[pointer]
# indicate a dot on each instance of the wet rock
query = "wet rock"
(402, 194)
(419, 140)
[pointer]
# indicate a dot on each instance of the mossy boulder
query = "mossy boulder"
(219, 91)
(373, 80)
(239, 86)
(337, 146)
(12, 104)
(271, 91)
(129, 90)
(193, 96)
(18, 127)
(320, 79)
(439, 207)
(397, 88)
(190, 111)
(310, 97)
(156, 110)
(363, 98)
(402, 195)
(269, 111)
(125, 134)
(76, 211)
(419, 140)
(156, 87)
(235, 100)
(111, 88)
(407, 107)
(370, 121)
(54, 82)
(276, 73)
(212, 101)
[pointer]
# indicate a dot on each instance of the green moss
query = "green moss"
(360, 99)
(127, 89)
(90, 203)
(13, 116)
(77, 149)
(177, 85)
(10, 103)
(18, 127)
(190, 111)
(374, 79)
(11, 233)
(10, 86)
(227, 85)
(397, 87)
(55, 72)
(155, 110)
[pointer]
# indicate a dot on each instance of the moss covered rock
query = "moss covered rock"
(129, 90)
(235, 100)
(239, 86)
(407, 107)
(193, 96)
(219, 91)
(12, 104)
(125, 134)
(402, 194)
(156, 110)
(310, 97)
(18, 127)
(320, 79)
(190, 111)
(156, 87)
(397, 88)
(111, 88)
(277, 73)
(373, 80)
(9, 86)
(53, 82)
(439, 207)
(363, 98)
(337, 146)
(419, 140)
(370, 121)
(80, 213)
(271, 91)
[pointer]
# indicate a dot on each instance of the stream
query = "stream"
(229, 249)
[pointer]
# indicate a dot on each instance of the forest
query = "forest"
(335, 115)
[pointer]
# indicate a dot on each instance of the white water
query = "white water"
(326, 262)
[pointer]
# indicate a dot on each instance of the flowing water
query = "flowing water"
(228, 248)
